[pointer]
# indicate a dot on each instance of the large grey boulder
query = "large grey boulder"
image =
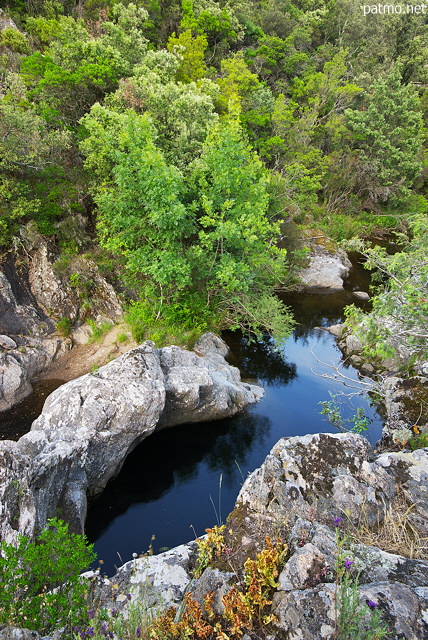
(319, 476)
(200, 388)
(14, 382)
(326, 271)
(23, 363)
(7, 343)
(89, 425)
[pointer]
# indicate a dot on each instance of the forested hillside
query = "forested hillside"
(170, 140)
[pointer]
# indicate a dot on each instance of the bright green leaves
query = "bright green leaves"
(140, 212)
(78, 69)
(239, 260)
(16, 205)
(182, 113)
(191, 51)
(203, 241)
(14, 40)
(41, 588)
(236, 82)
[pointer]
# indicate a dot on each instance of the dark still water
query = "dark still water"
(184, 479)
(18, 420)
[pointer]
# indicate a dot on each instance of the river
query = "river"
(184, 479)
(180, 481)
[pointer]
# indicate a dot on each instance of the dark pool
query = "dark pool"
(184, 479)
(18, 420)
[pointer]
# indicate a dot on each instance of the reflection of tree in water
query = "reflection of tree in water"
(231, 450)
(259, 359)
(172, 457)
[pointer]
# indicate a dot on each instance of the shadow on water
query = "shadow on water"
(165, 460)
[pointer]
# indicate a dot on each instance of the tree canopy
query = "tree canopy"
(177, 136)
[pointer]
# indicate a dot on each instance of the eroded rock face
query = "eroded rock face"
(89, 425)
(62, 297)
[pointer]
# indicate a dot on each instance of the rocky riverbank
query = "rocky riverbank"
(333, 503)
(330, 498)
(44, 301)
(89, 425)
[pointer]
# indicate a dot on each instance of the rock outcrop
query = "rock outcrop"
(89, 425)
(312, 490)
(6, 22)
(25, 362)
(32, 298)
(314, 481)
(65, 295)
(326, 271)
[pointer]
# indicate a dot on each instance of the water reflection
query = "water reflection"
(259, 359)
(173, 457)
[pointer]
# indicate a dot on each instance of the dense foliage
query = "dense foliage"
(399, 319)
(178, 136)
(41, 587)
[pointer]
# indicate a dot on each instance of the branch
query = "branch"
(363, 385)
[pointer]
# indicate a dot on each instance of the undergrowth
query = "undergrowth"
(246, 606)
(145, 324)
(99, 330)
(395, 531)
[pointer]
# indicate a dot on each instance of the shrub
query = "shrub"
(14, 40)
(419, 441)
(41, 588)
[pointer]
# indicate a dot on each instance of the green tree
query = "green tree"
(140, 214)
(236, 81)
(237, 258)
(77, 69)
(16, 206)
(181, 112)
(388, 132)
(27, 143)
(191, 52)
(203, 243)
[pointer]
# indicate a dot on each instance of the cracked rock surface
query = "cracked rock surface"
(89, 425)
